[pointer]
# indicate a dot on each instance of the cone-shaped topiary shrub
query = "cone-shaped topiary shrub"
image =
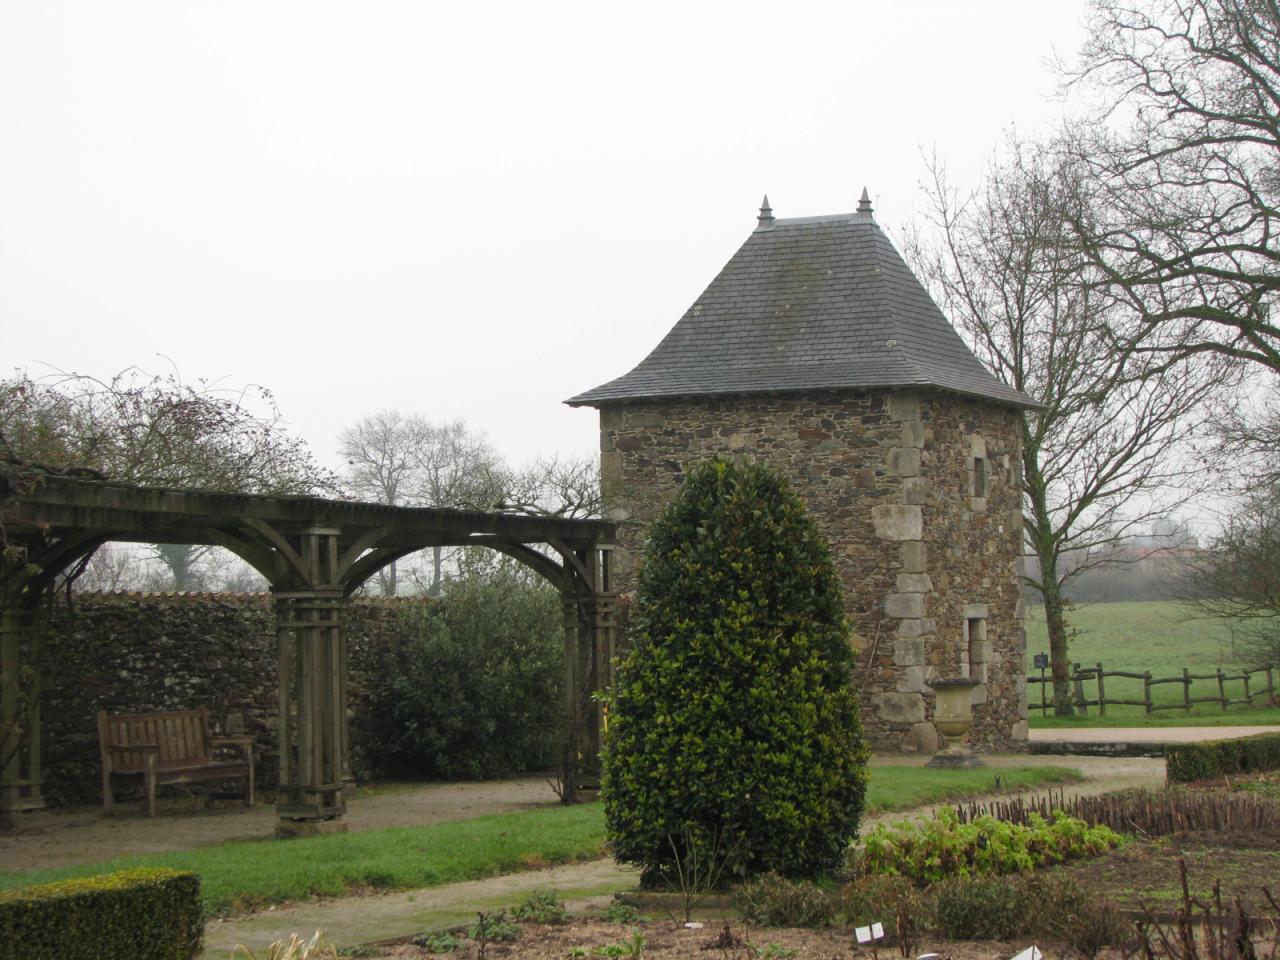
(734, 745)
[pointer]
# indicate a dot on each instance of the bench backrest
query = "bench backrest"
(181, 735)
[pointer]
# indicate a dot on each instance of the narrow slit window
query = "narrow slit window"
(973, 655)
(979, 477)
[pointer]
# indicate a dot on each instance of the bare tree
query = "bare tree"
(158, 431)
(407, 460)
(1109, 449)
(556, 487)
(1186, 233)
(1239, 579)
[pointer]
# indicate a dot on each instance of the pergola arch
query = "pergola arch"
(314, 553)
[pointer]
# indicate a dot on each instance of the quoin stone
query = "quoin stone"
(817, 351)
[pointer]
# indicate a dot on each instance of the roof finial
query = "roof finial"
(766, 213)
(864, 203)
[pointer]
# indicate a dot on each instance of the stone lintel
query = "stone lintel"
(975, 611)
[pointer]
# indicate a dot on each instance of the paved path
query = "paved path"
(1145, 734)
(353, 920)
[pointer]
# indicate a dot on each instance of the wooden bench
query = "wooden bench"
(174, 747)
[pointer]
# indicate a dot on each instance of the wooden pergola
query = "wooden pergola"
(314, 553)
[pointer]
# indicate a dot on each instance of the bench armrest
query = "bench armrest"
(220, 741)
(132, 748)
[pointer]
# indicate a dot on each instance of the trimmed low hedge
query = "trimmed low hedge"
(1185, 762)
(145, 914)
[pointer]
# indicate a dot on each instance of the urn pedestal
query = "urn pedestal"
(952, 716)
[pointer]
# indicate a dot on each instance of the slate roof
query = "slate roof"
(810, 303)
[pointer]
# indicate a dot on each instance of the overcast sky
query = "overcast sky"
(468, 210)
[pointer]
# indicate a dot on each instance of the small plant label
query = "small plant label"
(1031, 953)
(873, 932)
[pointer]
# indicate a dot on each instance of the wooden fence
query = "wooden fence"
(1080, 675)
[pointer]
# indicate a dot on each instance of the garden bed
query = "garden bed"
(667, 939)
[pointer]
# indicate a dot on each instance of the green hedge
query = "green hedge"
(145, 914)
(1185, 762)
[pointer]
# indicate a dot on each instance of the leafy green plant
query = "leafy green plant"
(618, 912)
(773, 951)
(437, 941)
(982, 908)
(541, 906)
(632, 946)
(776, 901)
(944, 847)
(734, 720)
(491, 928)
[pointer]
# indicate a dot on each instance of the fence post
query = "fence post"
(1271, 685)
(1102, 694)
(1247, 699)
(1079, 686)
(1146, 689)
(1222, 689)
(1186, 689)
(1044, 703)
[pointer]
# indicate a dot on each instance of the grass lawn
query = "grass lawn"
(1162, 636)
(247, 874)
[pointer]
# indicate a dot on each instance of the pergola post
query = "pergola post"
(590, 626)
(312, 646)
(20, 776)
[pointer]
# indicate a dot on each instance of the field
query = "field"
(1162, 636)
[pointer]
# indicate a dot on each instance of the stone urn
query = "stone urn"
(953, 715)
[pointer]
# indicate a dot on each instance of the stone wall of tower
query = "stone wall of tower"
(929, 568)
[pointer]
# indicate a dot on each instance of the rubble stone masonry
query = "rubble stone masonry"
(918, 495)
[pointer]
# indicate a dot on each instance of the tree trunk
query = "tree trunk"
(437, 561)
(388, 581)
(1056, 621)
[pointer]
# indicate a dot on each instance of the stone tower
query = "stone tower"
(816, 350)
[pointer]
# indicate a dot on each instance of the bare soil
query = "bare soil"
(714, 941)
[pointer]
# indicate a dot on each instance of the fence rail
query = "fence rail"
(1080, 675)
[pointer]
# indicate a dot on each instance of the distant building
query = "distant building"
(816, 350)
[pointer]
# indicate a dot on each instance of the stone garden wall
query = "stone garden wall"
(889, 478)
(125, 653)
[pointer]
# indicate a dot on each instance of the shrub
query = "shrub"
(774, 901)
(1209, 759)
(882, 898)
(437, 941)
(1082, 920)
(541, 906)
(473, 688)
(944, 847)
(493, 928)
(734, 724)
(981, 908)
(147, 914)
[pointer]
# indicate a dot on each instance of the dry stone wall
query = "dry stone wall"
(928, 566)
